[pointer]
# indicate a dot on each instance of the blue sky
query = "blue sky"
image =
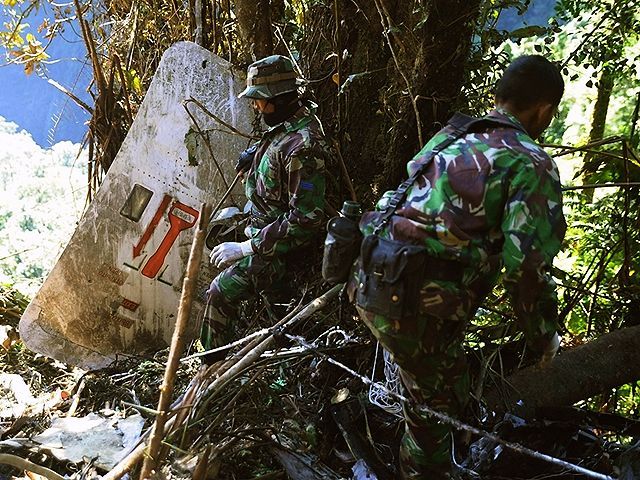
(538, 13)
(33, 104)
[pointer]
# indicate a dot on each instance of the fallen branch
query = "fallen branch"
(23, 464)
(453, 422)
(76, 399)
(582, 372)
(222, 370)
(263, 346)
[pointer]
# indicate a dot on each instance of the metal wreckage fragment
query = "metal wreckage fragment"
(115, 289)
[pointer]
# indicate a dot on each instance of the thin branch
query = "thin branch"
(69, 94)
(446, 419)
(189, 286)
(219, 120)
(626, 266)
(177, 344)
(91, 48)
(572, 149)
(23, 464)
(603, 185)
(251, 356)
(125, 93)
(208, 144)
(345, 173)
(587, 37)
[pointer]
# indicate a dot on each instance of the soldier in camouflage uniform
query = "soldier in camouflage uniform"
(285, 183)
(490, 199)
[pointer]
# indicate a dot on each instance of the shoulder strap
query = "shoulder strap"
(461, 124)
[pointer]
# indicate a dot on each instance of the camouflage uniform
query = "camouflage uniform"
(489, 200)
(286, 186)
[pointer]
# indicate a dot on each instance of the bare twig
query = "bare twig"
(251, 356)
(345, 173)
(98, 73)
(457, 424)
(226, 195)
(219, 120)
(76, 399)
(123, 82)
(207, 143)
(177, 343)
(587, 37)
(603, 185)
(567, 149)
(71, 95)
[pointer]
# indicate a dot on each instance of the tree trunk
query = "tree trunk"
(387, 80)
(577, 374)
(591, 161)
(433, 56)
(254, 25)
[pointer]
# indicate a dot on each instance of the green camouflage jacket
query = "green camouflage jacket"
(490, 199)
(286, 184)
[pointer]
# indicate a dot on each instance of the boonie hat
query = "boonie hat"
(270, 77)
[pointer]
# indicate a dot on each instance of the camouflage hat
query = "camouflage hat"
(270, 77)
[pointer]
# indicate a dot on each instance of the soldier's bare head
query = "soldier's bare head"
(531, 89)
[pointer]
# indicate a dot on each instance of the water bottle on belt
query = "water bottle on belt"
(342, 245)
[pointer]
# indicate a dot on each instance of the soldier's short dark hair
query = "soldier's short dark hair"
(528, 80)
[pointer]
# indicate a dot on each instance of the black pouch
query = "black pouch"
(390, 277)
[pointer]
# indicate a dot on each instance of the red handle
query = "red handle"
(181, 217)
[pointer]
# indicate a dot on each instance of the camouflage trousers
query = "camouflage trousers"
(241, 281)
(428, 350)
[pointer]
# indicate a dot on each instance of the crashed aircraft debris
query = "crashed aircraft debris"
(115, 289)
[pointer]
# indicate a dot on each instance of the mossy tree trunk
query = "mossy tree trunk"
(401, 67)
(592, 161)
(254, 24)
(577, 374)
(431, 55)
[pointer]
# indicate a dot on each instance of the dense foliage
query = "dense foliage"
(385, 73)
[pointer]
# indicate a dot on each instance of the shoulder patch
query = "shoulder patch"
(307, 186)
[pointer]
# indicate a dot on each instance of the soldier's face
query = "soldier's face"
(263, 106)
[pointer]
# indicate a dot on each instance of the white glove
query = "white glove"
(226, 253)
(550, 350)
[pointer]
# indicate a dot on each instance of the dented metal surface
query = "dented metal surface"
(115, 289)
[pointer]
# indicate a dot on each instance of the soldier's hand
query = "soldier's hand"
(246, 159)
(550, 351)
(226, 253)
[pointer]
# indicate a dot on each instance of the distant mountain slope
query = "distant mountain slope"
(43, 195)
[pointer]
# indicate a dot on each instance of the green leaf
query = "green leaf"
(133, 81)
(137, 85)
(527, 32)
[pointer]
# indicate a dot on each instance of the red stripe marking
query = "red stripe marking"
(137, 249)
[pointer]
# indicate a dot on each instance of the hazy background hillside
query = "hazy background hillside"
(43, 194)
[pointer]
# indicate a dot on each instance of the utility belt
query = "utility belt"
(391, 274)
